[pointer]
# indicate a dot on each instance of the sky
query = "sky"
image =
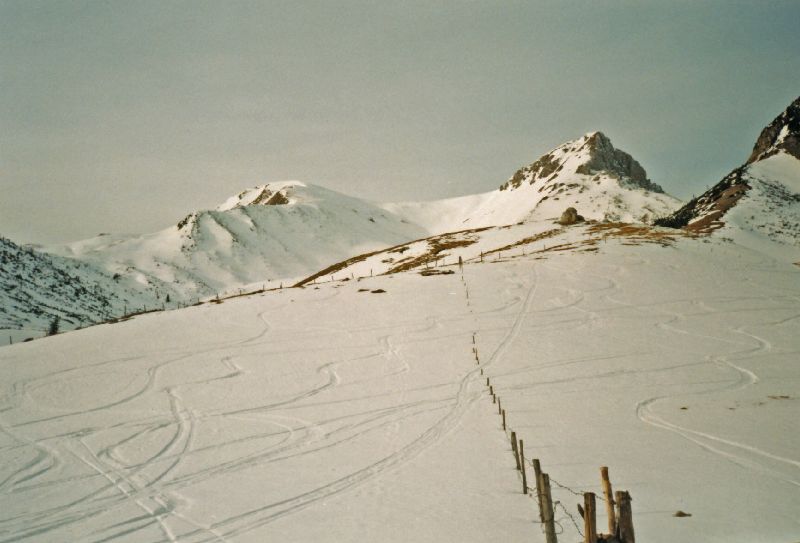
(125, 116)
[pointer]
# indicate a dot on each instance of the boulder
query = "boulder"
(570, 216)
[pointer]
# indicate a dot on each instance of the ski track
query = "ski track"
(153, 487)
(742, 454)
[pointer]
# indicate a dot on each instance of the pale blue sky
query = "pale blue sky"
(124, 116)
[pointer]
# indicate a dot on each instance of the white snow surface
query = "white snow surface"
(597, 196)
(288, 229)
(245, 240)
(335, 413)
(766, 217)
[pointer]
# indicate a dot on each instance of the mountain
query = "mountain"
(283, 231)
(270, 232)
(758, 203)
(601, 182)
(37, 287)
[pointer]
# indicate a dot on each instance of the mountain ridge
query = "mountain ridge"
(758, 202)
(280, 232)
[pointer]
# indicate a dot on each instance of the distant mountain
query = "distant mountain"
(758, 202)
(281, 232)
(270, 232)
(601, 182)
(37, 287)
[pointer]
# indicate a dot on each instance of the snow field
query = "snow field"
(330, 414)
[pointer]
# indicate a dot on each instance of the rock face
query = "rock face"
(591, 155)
(782, 134)
(605, 158)
(570, 216)
(706, 211)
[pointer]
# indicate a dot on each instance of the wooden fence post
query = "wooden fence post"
(499, 409)
(504, 420)
(515, 449)
(549, 515)
(624, 517)
(537, 472)
(609, 496)
(522, 465)
(589, 518)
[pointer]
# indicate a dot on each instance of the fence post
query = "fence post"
(625, 517)
(522, 465)
(515, 449)
(609, 496)
(504, 420)
(549, 516)
(537, 472)
(589, 518)
(499, 408)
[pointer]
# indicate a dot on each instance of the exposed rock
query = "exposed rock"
(570, 216)
(706, 211)
(269, 198)
(783, 133)
(278, 199)
(605, 158)
(598, 155)
(710, 206)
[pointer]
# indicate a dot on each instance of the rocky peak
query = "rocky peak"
(590, 155)
(782, 134)
(271, 194)
(603, 157)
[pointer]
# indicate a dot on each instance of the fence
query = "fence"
(617, 504)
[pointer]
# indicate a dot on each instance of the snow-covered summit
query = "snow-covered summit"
(589, 174)
(270, 194)
(273, 231)
(591, 154)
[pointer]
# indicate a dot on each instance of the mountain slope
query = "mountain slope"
(270, 232)
(36, 287)
(588, 173)
(273, 418)
(286, 230)
(758, 203)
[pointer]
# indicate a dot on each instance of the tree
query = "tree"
(54, 325)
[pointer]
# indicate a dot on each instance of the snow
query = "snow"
(248, 239)
(599, 196)
(333, 413)
(766, 218)
(242, 242)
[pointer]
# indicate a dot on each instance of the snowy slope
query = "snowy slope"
(273, 233)
(758, 203)
(767, 218)
(356, 411)
(36, 287)
(270, 232)
(588, 173)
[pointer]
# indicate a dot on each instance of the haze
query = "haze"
(123, 117)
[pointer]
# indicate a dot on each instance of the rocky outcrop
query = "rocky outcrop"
(706, 211)
(782, 134)
(603, 157)
(570, 216)
(590, 155)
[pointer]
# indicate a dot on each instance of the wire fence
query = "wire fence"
(554, 516)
